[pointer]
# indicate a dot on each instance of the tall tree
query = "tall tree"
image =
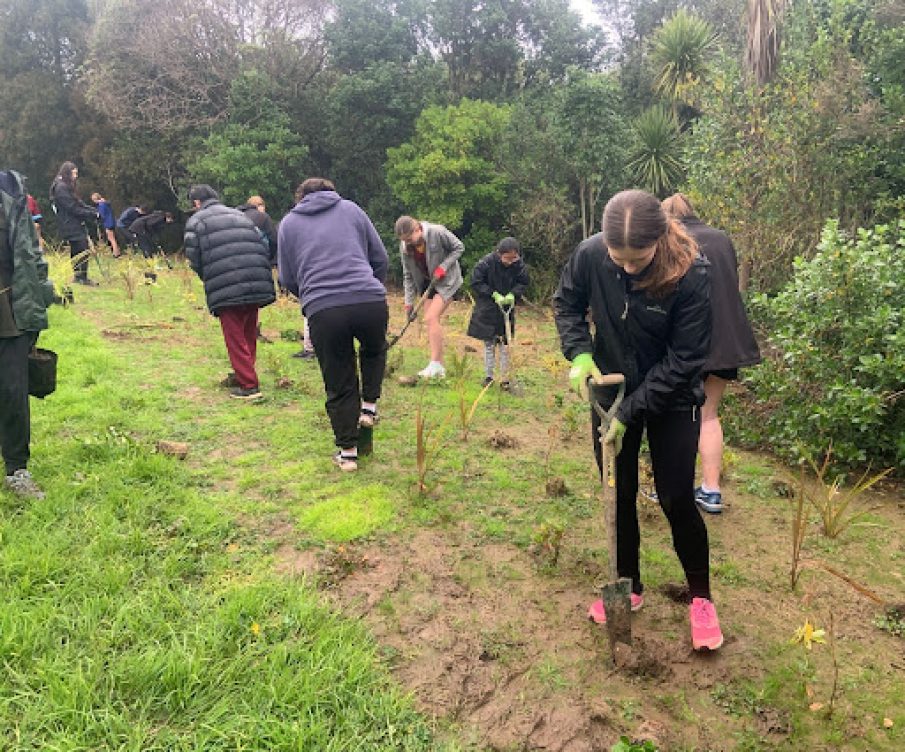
(494, 48)
(762, 48)
(589, 126)
(451, 172)
(681, 48)
(42, 44)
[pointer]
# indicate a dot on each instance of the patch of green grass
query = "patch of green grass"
(728, 573)
(135, 615)
(550, 674)
(347, 516)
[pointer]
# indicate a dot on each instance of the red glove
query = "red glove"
(439, 273)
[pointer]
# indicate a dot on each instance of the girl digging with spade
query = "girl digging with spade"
(648, 290)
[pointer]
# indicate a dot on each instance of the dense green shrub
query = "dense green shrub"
(834, 373)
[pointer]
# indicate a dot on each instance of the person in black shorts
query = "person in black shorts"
(732, 344)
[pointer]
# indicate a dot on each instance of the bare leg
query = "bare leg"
(111, 239)
(710, 445)
(433, 309)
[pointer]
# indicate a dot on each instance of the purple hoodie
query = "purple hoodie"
(330, 255)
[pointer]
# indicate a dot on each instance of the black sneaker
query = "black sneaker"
(252, 393)
(230, 382)
(488, 380)
(304, 354)
(85, 281)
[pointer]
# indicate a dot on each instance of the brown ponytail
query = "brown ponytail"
(634, 220)
(676, 251)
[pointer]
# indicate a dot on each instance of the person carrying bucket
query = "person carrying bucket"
(647, 288)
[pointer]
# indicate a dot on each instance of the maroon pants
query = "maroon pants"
(240, 332)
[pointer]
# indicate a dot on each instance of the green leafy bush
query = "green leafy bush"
(835, 370)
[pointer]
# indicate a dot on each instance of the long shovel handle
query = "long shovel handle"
(608, 464)
(413, 314)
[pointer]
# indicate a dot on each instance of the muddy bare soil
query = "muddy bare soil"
(493, 640)
(486, 641)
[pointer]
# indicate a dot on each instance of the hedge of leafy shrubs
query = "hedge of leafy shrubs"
(834, 365)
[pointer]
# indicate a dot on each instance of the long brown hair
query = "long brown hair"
(634, 220)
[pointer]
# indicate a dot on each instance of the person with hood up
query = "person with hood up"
(331, 257)
(72, 213)
(227, 253)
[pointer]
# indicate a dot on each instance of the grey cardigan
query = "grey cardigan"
(442, 248)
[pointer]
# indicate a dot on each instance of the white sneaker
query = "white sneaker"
(434, 370)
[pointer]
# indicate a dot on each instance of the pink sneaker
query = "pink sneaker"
(705, 626)
(597, 613)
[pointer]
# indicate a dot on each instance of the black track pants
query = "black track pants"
(333, 333)
(15, 418)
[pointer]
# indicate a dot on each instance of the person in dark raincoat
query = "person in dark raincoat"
(497, 281)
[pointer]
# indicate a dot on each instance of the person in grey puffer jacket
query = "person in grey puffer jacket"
(228, 254)
(331, 257)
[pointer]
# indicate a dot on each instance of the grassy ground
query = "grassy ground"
(252, 597)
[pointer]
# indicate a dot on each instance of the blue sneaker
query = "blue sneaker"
(708, 501)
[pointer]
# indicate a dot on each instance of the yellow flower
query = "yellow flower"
(255, 628)
(807, 635)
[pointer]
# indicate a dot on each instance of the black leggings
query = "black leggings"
(673, 441)
(333, 333)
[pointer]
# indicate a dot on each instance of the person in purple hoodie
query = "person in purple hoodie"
(331, 257)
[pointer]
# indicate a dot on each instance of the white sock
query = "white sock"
(372, 406)
(349, 453)
(709, 490)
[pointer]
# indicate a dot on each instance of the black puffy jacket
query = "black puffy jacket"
(659, 344)
(71, 211)
(227, 252)
(491, 275)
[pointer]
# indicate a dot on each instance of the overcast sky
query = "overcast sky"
(587, 11)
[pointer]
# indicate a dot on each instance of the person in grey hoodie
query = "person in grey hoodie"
(330, 255)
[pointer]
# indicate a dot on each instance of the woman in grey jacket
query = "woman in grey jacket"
(430, 255)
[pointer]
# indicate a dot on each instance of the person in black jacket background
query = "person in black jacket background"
(732, 345)
(256, 210)
(648, 290)
(228, 254)
(145, 228)
(498, 279)
(72, 213)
